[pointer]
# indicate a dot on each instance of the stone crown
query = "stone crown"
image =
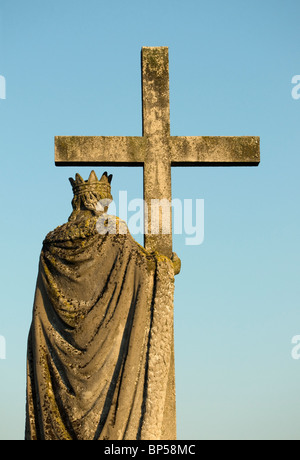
(102, 186)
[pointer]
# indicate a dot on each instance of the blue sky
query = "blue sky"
(72, 67)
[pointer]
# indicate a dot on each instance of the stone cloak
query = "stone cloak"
(100, 343)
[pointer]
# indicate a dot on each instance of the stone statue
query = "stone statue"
(100, 343)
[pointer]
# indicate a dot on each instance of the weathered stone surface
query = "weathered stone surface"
(214, 151)
(100, 150)
(157, 152)
(100, 348)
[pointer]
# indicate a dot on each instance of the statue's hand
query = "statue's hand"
(176, 263)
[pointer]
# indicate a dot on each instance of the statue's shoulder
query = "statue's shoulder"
(86, 227)
(72, 231)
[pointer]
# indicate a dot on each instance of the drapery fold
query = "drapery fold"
(100, 343)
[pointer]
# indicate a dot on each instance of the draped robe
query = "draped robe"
(100, 345)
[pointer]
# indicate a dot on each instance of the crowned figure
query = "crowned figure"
(99, 359)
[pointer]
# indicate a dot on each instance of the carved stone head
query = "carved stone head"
(91, 195)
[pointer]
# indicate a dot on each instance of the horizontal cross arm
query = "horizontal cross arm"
(215, 151)
(99, 150)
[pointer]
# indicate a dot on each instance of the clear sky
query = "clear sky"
(72, 67)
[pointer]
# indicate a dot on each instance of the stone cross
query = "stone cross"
(157, 151)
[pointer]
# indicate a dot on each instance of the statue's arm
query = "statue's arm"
(176, 263)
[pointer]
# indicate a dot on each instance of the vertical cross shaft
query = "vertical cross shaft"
(157, 165)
